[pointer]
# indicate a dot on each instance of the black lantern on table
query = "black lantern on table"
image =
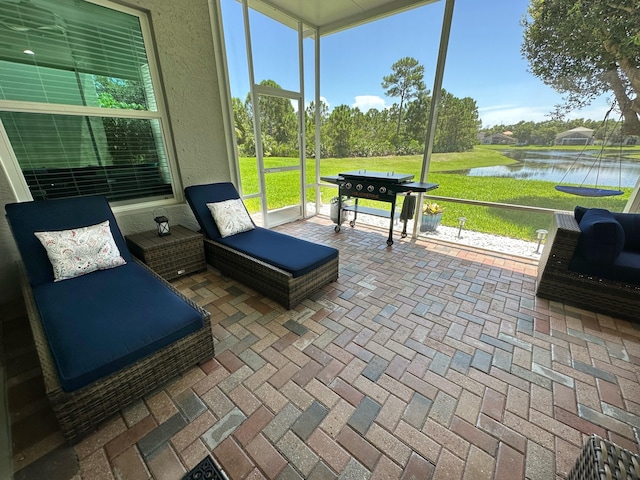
(162, 223)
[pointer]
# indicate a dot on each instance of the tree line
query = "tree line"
(399, 130)
(544, 133)
(347, 131)
(581, 49)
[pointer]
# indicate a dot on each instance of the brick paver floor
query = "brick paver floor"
(422, 361)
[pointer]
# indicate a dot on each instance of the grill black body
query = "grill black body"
(378, 186)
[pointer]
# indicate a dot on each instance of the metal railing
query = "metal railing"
(509, 206)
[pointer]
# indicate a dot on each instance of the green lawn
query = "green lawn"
(444, 170)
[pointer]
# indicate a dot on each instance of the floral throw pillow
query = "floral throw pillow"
(81, 250)
(231, 217)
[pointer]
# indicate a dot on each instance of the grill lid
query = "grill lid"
(389, 177)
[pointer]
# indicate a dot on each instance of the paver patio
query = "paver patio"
(424, 360)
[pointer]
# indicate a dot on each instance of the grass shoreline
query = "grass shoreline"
(445, 169)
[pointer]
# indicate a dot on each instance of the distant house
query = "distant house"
(505, 138)
(626, 140)
(575, 136)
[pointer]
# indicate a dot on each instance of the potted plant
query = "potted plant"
(431, 216)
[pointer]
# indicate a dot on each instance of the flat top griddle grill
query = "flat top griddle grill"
(378, 186)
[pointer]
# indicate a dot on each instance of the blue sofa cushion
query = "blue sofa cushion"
(624, 269)
(283, 251)
(579, 212)
(199, 195)
(98, 323)
(62, 214)
(630, 224)
(602, 237)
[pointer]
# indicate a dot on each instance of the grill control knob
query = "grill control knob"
(370, 188)
(359, 186)
(383, 189)
(348, 185)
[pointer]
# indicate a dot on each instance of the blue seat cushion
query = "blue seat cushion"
(288, 253)
(624, 269)
(602, 237)
(99, 323)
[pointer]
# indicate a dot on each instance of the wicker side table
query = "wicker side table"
(601, 459)
(171, 256)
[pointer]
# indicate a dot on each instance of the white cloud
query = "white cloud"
(367, 102)
(512, 114)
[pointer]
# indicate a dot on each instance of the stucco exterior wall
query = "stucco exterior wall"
(8, 250)
(185, 53)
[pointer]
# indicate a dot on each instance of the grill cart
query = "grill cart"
(378, 186)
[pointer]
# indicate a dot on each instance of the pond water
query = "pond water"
(566, 167)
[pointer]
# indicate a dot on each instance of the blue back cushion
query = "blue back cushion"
(199, 195)
(99, 323)
(50, 215)
(283, 251)
(602, 237)
(630, 223)
(579, 212)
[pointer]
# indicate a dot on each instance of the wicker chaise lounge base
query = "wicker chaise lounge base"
(600, 459)
(273, 282)
(80, 411)
(557, 282)
(280, 266)
(107, 329)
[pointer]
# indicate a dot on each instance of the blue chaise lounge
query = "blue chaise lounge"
(107, 329)
(282, 267)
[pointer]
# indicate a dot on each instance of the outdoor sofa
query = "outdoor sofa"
(591, 260)
(282, 267)
(105, 337)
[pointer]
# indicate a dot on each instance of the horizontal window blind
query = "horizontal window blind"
(73, 37)
(77, 53)
(64, 156)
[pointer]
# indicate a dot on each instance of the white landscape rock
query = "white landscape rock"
(485, 241)
(496, 243)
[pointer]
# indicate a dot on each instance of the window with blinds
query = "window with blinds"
(78, 104)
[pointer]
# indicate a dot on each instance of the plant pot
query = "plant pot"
(430, 223)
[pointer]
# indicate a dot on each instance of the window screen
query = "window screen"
(77, 101)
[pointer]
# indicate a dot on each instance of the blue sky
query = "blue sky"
(483, 60)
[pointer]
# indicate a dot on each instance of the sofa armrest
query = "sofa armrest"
(561, 244)
(567, 236)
